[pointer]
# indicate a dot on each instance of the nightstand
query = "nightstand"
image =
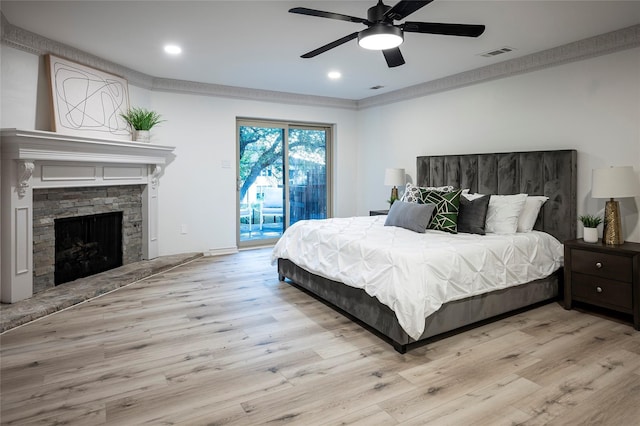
(604, 276)
(378, 212)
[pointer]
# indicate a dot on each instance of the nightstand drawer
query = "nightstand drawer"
(602, 265)
(602, 292)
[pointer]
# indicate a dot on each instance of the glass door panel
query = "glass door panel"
(307, 155)
(280, 183)
(260, 183)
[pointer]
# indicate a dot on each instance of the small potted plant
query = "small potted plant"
(141, 121)
(590, 223)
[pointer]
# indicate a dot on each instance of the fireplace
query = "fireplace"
(78, 176)
(87, 245)
(50, 205)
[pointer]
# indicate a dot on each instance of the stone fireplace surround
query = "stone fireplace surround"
(34, 159)
(50, 204)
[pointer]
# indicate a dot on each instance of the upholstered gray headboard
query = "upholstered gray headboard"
(550, 173)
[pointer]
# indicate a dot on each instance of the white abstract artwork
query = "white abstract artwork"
(87, 102)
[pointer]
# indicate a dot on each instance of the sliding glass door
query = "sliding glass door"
(282, 178)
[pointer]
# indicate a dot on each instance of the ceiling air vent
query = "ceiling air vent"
(497, 52)
(375, 87)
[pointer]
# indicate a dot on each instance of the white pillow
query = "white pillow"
(470, 197)
(529, 213)
(503, 212)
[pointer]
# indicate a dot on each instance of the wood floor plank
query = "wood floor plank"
(202, 389)
(232, 415)
(570, 352)
(454, 375)
(618, 404)
(480, 406)
(222, 341)
(369, 416)
(329, 397)
(555, 401)
(54, 414)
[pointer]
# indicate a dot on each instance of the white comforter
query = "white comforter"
(412, 273)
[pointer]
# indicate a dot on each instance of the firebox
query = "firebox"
(87, 245)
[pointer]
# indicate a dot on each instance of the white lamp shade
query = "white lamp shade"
(394, 177)
(615, 182)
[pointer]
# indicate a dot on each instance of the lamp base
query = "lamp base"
(612, 234)
(394, 193)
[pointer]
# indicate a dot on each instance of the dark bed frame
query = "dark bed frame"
(550, 173)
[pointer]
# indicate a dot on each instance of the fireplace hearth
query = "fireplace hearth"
(87, 245)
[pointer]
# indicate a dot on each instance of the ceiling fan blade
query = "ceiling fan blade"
(463, 30)
(405, 8)
(393, 57)
(330, 46)
(330, 15)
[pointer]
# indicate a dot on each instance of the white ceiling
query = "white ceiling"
(257, 44)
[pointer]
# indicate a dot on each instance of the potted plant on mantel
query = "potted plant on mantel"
(141, 121)
(590, 223)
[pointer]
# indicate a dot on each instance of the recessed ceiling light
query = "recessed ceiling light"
(173, 49)
(334, 75)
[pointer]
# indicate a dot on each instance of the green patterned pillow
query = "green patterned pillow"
(445, 217)
(417, 194)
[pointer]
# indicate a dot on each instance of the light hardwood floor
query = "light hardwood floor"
(222, 341)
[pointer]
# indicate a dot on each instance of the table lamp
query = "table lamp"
(395, 178)
(614, 182)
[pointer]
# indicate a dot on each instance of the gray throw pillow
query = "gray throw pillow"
(472, 214)
(411, 216)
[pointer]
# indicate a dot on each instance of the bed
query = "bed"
(548, 173)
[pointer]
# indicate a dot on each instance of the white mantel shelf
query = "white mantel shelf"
(40, 145)
(33, 159)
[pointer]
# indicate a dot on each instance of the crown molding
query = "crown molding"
(218, 90)
(626, 38)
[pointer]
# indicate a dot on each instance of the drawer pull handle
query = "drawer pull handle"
(599, 289)
(598, 265)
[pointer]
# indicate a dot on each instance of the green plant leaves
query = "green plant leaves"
(141, 118)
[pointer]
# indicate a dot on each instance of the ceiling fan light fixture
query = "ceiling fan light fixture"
(380, 37)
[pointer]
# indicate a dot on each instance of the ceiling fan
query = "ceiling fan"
(382, 34)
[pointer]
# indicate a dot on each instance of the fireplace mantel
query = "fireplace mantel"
(38, 159)
(39, 145)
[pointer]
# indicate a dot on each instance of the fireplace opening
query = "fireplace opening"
(87, 245)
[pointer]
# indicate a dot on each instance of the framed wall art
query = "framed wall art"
(86, 101)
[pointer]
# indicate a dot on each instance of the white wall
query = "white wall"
(195, 190)
(19, 88)
(592, 106)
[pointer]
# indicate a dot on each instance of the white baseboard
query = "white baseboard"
(257, 247)
(221, 251)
